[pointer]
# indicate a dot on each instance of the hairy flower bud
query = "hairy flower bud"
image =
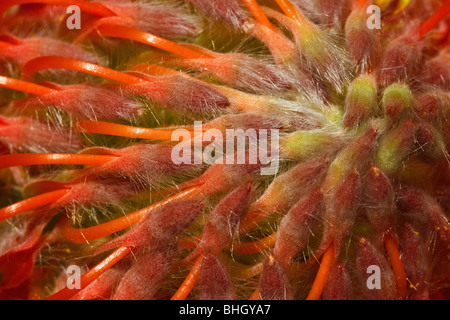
(397, 98)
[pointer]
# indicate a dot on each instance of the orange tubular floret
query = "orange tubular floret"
(258, 14)
(28, 159)
(241, 248)
(154, 69)
(246, 271)
(397, 266)
(129, 33)
(254, 216)
(92, 274)
(55, 62)
(88, 7)
(4, 44)
(24, 86)
(256, 246)
(289, 10)
(362, 3)
(322, 274)
(105, 229)
(31, 203)
(120, 130)
(190, 281)
(255, 295)
(434, 20)
(190, 243)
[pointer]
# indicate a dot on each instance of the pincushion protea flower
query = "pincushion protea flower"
(357, 210)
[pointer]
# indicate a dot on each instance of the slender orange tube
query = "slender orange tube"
(24, 86)
(362, 3)
(255, 295)
(55, 62)
(31, 203)
(121, 130)
(28, 159)
(4, 44)
(322, 274)
(117, 30)
(88, 7)
(258, 14)
(290, 10)
(256, 246)
(435, 19)
(254, 216)
(190, 243)
(92, 274)
(155, 69)
(105, 229)
(397, 266)
(247, 272)
(129, 33)
(190, 281)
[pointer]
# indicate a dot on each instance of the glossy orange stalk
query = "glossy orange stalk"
(55, 62)
(4, 44)
(256, 246)
(258, 14)
(121, 130)
(155, 70)
(24, 86)
(75, 235)
(397, 266)
(253, 217)
(435, 19)
(190, 281)
(31, 203)
(129, 33)
(289, 10)
(255, 295)
(322, 274)
(92, 274)
(190, 243)
(28, 159)
(243, 247)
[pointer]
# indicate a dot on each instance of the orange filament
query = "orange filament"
(31, 203)
(243, 271)
(362, 3)
(88, 7)
(190, 243)
(242, 248)
(154, 69)
(105, 229)
(255, 295)
(289, 10)
(435, 19)
(4, 44)
(89, 28)
(255, 215)
(129, 33)
(256, 246)
(92, 274)
(24, 86)
(258, 14)
(190, 281)
(28, 159)
(397, 266)
(55, 62)
(120, 130)
(322, 274)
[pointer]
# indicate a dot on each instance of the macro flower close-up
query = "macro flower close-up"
(224, 150)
